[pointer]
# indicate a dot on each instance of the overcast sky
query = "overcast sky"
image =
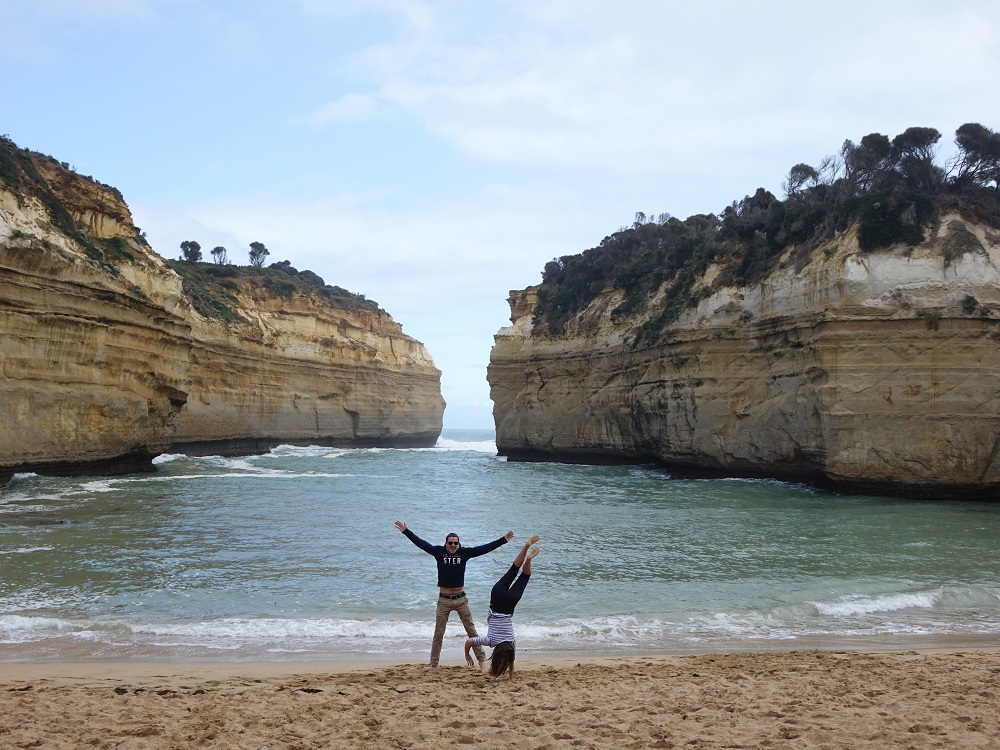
(435, 155)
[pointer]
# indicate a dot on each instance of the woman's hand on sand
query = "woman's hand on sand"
(468, 652)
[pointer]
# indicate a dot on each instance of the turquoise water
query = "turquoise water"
(293, 555)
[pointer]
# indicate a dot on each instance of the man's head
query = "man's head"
(451, 543)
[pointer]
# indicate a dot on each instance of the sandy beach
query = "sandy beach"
(804, 699)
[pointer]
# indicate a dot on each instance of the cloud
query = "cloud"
(348, 108)
(639, 84)
(415, 14)
(60, 9)
(468, 248)
(31, 32)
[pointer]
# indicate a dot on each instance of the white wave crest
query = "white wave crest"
(853, 606)
(270, 628)
(476, 446)
(255, 474)
(21, 629)
(101, 485)
(23, 550)
(166, 458)
(306, 451)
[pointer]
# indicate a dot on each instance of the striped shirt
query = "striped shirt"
(500, 628)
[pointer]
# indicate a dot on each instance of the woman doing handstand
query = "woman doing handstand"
(504, 596)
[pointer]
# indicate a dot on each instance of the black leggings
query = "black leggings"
(506, 592)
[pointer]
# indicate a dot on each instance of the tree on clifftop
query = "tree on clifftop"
(978, 161)
(800, 177)
(190, 251)
(257, 254)
(891, 189)
(219, 253)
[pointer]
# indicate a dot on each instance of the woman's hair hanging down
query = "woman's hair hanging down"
(502, 658)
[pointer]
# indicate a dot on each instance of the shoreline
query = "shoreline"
(792, 699)
(97, 671)
(43, 654)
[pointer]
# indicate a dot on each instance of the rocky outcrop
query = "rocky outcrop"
(105, 362)
(872, 372)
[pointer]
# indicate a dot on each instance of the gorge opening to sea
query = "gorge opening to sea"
(292, 556)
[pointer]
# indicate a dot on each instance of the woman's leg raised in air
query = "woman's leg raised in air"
(519, 560)
(526, 569)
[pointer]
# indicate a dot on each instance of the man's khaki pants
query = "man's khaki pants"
(444, 608)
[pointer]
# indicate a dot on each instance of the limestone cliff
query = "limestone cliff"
(106, 360)
(869, 371)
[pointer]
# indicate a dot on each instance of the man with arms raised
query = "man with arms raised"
(451, 560)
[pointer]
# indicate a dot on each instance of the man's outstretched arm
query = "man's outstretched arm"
(425, 546)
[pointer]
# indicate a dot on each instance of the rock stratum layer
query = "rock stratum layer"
(873, 372)
(106, 363)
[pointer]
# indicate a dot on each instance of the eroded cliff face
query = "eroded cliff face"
(870, 372)
(105, 363)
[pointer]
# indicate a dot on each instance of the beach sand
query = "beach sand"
(804, 699)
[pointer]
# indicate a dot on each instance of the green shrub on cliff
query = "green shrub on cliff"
(208, 295)
(21, 175)
(10, 174)
(890, 189)
(212, 288)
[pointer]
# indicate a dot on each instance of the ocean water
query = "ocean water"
(293, 555)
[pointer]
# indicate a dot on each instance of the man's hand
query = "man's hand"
(509, 535)
(401, 526)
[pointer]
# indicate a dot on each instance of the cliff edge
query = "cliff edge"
(869, 372)
(110, 357)
(839, 363)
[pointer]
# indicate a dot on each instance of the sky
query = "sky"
(434, 155)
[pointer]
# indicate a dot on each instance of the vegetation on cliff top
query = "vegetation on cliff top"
(210, 287)
(20, 173)
(213, 287)
(891, 189)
